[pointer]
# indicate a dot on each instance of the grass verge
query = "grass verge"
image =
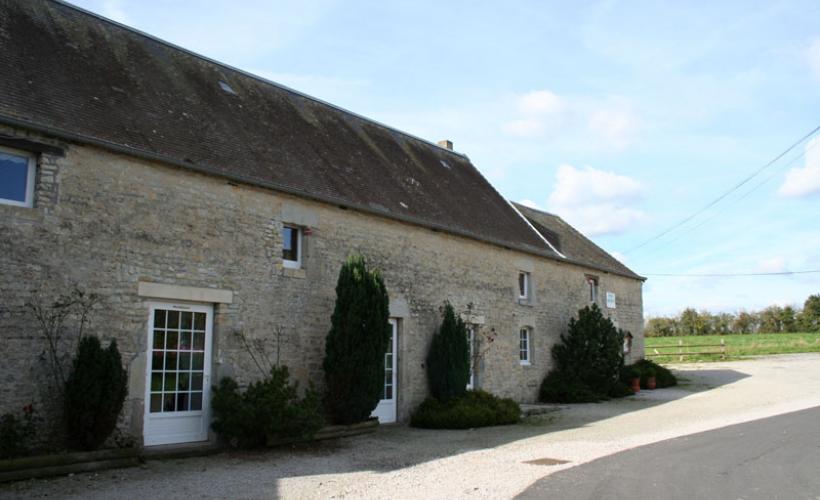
(737, 346)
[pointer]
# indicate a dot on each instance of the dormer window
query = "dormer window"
(292, 246)
(16, 178)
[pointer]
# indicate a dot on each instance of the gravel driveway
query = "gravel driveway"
(400, 462)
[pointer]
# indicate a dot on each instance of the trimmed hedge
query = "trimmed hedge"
(473, 409)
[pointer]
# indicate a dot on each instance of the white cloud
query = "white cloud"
(804, 181)
(113, 9)
(539, 102)
(615, 127)
(537, 110)
(531, 204)
(771, 265)
(576, 187)
(596, 201)
(813, 57)
(524, 128)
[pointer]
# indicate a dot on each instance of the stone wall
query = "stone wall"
(108, 222)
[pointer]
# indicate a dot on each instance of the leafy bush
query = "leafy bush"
(355, 346)
(557, 388)
(663, 377)
(94, 394)
(448, 361)
(588, 360)
(16, 434)
(473, 409)
(268, 409)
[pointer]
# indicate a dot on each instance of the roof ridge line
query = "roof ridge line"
(254, 76)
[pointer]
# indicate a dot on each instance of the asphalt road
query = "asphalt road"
(772, 458)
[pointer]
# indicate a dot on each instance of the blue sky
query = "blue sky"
(622, 117)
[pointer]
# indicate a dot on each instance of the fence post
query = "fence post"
(680, 350)
(722, 349)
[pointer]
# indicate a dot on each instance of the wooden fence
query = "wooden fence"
(681, 350)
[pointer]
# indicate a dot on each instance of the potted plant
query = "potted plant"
(631, 375)
(649, 373)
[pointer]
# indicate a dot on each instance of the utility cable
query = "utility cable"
(724, 195)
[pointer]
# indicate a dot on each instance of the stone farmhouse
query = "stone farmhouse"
(200, 201)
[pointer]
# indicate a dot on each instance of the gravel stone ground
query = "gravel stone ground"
(401, 462)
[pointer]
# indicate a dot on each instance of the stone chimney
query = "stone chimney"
(446, 144)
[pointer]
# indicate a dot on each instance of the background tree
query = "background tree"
(355, 346)
(770, 319)
(448, 361)
(810, 316)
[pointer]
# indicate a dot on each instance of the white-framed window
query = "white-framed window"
(523, 285)
(610, 300)
(524, 345)
(471, 349)
(592, 287)
(291, 246)
(17, 177)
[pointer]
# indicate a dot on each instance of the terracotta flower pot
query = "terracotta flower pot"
(651, 383)
(635, 384)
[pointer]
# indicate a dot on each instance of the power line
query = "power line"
(733, 275)
(724, 195)
(738, 199)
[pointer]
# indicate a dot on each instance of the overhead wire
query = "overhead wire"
(725, 194)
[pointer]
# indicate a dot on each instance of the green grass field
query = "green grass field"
(737, 346)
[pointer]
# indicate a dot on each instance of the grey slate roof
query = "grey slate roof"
(74, 75)
(574, 245)
(71, 74)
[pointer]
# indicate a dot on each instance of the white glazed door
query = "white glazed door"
(386, 409)
(178, 374)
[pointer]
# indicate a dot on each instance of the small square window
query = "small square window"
(523, 285)
(524, 346)
(592, 286)
(16, 178)
(292, 246)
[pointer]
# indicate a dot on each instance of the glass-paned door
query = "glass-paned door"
(178, 373)
(386, 409)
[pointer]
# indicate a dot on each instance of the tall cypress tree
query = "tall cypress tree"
(355, 346)
(94, 394)
(448, 361)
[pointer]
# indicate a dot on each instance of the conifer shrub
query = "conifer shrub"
(355, 346)
(268, 409)
(94, 394)
(587, 360)
(472, 409)
(448, 360)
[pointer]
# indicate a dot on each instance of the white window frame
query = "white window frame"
(471, 350)
(592, 286)
(32, 168)
(525, 334)
(294, 264)
(527, 284)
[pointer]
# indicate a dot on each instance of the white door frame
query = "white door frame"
(179, 426)
(386, 410)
